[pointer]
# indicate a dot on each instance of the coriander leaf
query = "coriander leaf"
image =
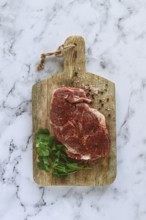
(43, 138)
(56, 162)
(64, 157)
(60, 168)
(43, 151)
(45, 160)
(44, 166)
(73, 166)
(47, 168)
(40, 165)
(58, 154)
(52, 155)
(51, 140)
(53, 148)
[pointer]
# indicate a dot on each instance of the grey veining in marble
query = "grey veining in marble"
(115, 34)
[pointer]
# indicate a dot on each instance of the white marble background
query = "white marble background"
(115, 34)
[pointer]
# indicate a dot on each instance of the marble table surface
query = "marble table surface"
(115, 34)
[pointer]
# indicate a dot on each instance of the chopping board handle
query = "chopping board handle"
(74, 58)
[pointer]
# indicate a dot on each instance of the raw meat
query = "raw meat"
(77, 125)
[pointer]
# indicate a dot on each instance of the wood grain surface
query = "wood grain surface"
(103, 172)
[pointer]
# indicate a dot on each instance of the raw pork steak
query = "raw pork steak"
(77, 125)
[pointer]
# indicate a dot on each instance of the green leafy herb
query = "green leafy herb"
(52, 156)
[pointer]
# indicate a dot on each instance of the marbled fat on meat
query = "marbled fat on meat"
(77, 125)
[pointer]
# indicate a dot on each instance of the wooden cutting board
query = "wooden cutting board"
(75, 75)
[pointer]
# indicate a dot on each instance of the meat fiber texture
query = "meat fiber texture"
(81, 128)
